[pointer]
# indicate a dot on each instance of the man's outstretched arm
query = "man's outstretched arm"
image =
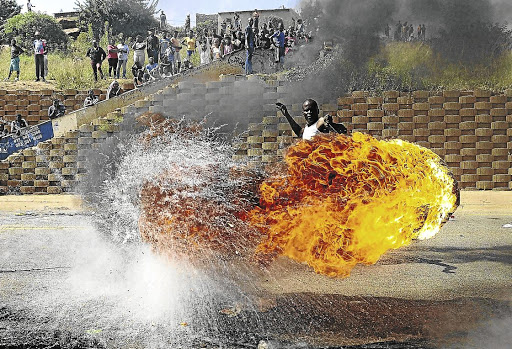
(295, 126)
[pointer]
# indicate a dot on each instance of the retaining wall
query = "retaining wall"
(471, 130)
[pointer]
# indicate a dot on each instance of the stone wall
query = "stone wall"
(471, 130)
(33, 105)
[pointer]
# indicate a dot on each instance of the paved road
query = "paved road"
(62, 282)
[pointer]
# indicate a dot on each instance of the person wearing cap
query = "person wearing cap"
(39, 50)
(18, 124)
(97, 56)
(16, 51)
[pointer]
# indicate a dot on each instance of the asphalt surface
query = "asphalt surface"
(63, 285)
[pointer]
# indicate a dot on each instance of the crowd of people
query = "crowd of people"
(406, 32)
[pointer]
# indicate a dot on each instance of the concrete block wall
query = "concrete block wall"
(470, 130)
(55, 166)
(33, 105)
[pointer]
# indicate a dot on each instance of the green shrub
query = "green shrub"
(23, 26)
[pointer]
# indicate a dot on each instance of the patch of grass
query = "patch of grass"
(414, 65)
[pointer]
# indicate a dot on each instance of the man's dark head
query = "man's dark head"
(310, 111)
(18, 116)
(175, 33)
(91, 93)
(56, 102)
(13, 42)
(95, 43)
(190, 33)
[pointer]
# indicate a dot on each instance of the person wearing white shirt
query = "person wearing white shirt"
(122, 55)
(314, 123)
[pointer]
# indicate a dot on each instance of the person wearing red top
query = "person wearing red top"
(112, 58)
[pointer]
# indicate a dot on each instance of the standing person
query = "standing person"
(314, 123)
(190, 41)
(139, 50)
(122, 57)
(97, 56)
(278, 40)
(236, 20)
(205, 51)
(29, 6)
(152, 43)
(163, 20)
(163, 45)
(45, 58)
(113, 58)
(423, 30)
(39, 49)
(249, 45)
(16, 51)
(256, 19)
(177, 47)
(216, 52)
(187, 24)
(170, 53)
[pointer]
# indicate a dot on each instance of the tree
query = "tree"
(23, 26)
(130, 17)
(8, 9)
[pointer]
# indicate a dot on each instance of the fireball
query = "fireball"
(347, 200)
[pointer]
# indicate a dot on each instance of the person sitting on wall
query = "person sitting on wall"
(57, 109)
(3, 129)
(18, 124)
(113, 90)
(151, 72)
(91, 99)
(138, 74)
(314, 123)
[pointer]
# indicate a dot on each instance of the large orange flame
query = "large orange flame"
(347, 200)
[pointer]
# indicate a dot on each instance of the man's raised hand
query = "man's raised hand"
(281, 107)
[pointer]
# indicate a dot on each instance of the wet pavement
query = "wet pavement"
(64, 285)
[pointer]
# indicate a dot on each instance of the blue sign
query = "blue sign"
(29, 137)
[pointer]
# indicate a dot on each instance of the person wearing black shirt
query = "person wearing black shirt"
(152, 45)
(56, 109)
(16, 51)
(97, 56)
